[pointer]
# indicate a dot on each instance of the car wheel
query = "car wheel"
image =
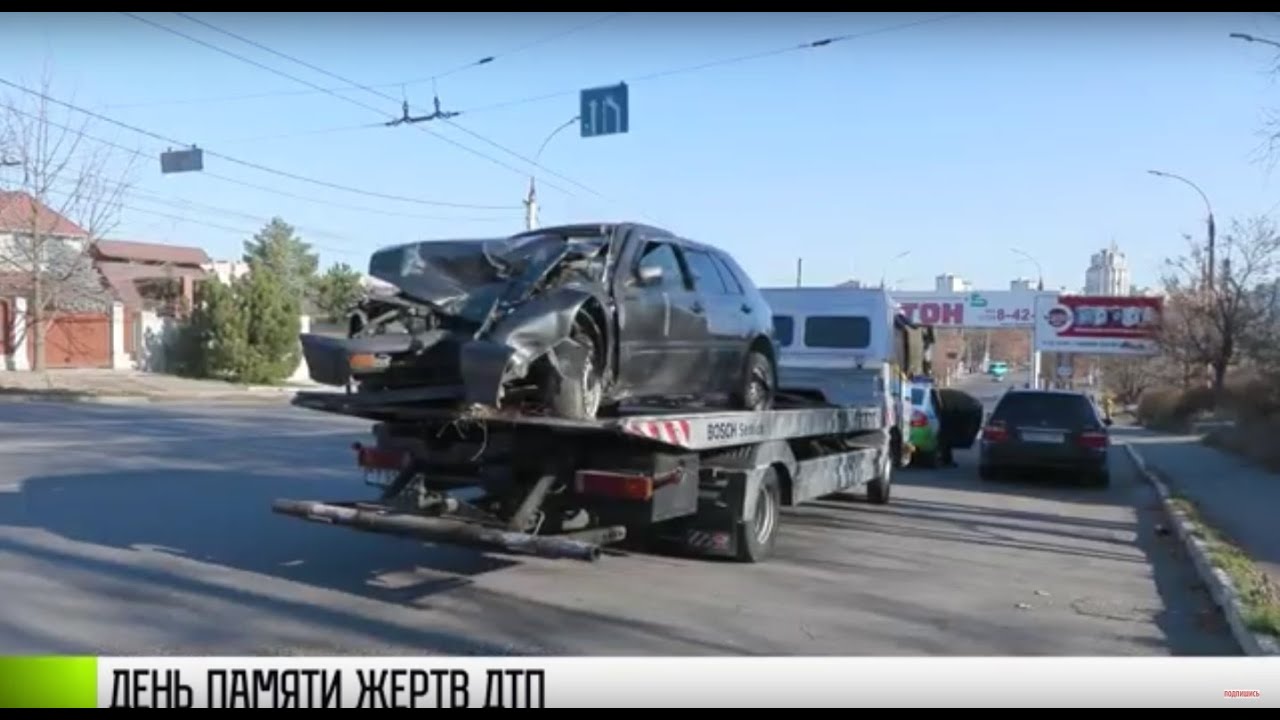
(1100, 479)
(756, 390)
(926, 459)
(758, 534)
(580, 394)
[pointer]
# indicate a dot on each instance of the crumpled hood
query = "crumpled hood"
(453, 276)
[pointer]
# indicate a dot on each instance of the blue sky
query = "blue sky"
(956, 140)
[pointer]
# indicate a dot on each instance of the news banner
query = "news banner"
(627, 682)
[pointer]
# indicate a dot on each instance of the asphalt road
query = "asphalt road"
(147, 530)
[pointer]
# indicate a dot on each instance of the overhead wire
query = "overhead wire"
(267, 188)
(519, 49)
(204, 223)
(399, 84)
(249, 164)
(309, 83)
(369, 89)
(823, 42)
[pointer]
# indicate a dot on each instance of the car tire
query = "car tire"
(926, 459)
(986, 472)
(1100, 479)
(755, 391)
(758, 534)
(581, 396)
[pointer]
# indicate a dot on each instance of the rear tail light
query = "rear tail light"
(373, 458)
(919, 419)
(622, 486)
(614, 485)
(1094, 440)
(995, 432)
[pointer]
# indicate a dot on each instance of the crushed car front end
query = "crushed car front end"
(464, 321)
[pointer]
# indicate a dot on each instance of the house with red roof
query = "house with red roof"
(98, 294)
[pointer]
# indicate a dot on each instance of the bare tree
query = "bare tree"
(60, 192)
(1214, 326)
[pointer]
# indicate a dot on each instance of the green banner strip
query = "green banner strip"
(48, 682)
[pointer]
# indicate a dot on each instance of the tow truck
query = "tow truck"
(711, 482)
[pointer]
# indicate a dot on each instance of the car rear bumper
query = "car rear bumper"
(923, 439)
(1000, 459)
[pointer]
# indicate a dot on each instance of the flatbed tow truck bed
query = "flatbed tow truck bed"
(711, 481)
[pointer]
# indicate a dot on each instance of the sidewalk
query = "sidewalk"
(126, 385)
(1239, 499)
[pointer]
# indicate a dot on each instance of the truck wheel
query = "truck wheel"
(757, 534)
(755, 391)
(578, 396)
(879, 488)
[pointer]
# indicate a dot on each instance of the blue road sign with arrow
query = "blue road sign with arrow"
(604, 110)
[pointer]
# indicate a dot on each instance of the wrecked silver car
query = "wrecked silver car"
(570, 320)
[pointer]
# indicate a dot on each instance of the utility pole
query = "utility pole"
(531, 208)
(799, 270)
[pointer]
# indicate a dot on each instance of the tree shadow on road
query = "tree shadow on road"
(225, 518)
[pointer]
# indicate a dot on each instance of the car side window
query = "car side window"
(706, 278)
(663, 255)
(727, 275)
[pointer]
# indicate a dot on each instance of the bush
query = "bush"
(1158, 408)
(246, 332)
(1193, 402)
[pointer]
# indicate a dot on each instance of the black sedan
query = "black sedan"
(1046, 431)
(573, 319)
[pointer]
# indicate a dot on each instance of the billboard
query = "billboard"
(995, 309)
(1105, 325)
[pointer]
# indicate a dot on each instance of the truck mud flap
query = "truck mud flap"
(585, 546)
(711, 533)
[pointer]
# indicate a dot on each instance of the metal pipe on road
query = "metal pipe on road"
(441, 530)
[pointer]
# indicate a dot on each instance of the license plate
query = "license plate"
(1042, 437)
(379, 477)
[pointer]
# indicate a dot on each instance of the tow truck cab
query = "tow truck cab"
(849, 347)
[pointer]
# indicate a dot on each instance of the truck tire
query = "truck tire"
(758, 534)
(878, 490)
(578, 397)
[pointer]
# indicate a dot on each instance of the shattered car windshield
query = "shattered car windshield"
(530, 253)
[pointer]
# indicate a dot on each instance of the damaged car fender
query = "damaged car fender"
(536, 328)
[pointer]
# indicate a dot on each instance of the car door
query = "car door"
(726, 327)
(662, 328)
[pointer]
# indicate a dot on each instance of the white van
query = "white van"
(843, 346)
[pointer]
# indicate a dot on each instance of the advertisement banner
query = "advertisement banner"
(994, 309)
(1122, 325)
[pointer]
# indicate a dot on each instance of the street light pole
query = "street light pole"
(1034, 372)
(1039, 270)
(892, 260)
(1209, 221)
(531, 198)
(1251, 38)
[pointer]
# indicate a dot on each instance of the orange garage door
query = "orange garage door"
(76, 341)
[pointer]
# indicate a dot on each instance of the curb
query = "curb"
(1220, 586)
(55, 397)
